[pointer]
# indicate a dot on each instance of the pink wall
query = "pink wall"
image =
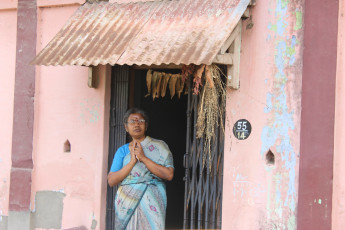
(66, 108)
(258, 195)
(338, 212)
(8, 26)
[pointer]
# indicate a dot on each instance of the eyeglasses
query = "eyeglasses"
(140, 122)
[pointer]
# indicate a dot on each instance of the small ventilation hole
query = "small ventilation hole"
(270, 159)
(67, 146)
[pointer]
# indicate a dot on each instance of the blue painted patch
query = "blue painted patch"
(268, 37)
(292, 54)
(269, 106)
(276, 133)
(281, 25)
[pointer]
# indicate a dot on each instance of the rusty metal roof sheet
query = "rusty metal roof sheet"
(151, 32)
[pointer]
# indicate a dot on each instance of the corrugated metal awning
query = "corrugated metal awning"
(152, 32)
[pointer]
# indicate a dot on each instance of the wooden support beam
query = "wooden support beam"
(93, 76)
(231, 38)
(246, 14)
(252, 3)
(224, 59)
(233, 71)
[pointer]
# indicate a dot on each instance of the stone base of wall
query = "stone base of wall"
(20, 220)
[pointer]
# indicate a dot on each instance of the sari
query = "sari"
(141, 201)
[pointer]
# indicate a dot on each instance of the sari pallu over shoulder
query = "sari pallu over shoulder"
(142, 193)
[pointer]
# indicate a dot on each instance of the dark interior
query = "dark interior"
(167, 123)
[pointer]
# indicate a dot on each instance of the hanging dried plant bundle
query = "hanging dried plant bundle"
(154, 84)
(197, 79)
(208, 76)
(211, 109)
(159, 80)
(187, 70)
(164, 84)
(179, 86)
(148, 82)
(172, 84)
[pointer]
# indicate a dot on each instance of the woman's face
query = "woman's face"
(136, 126)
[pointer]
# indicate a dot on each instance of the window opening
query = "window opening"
(67, 146)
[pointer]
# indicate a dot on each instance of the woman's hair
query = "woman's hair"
(135, 110)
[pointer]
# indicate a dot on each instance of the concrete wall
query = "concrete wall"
(259, 194)
(66, 109)
(338, 212)
(8, 26)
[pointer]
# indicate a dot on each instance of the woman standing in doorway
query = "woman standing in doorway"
(140, 168)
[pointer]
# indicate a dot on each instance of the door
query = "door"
(168, 123)
(117, 132)
(203, 180)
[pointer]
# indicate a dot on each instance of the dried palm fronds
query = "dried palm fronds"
(154, 84)
(158, 86)
(172, 84)
(157, 83)
(179, 86)
(148, 82)
(211, 109)
(164, 84)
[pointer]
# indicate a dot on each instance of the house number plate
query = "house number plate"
(242, 129)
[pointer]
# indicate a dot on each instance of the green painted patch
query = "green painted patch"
(290, 51)
(273, 27)
(285, 3)
(298, 24)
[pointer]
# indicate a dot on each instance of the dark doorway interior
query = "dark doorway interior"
(168, 123)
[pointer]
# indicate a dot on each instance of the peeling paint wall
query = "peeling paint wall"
(262, 195)
(67, 109)
(8, 27)
(338, 212)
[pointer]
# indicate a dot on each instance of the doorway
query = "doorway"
(195, 193)
(168, 123)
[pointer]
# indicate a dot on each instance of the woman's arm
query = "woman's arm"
(158, 170)
(115, 178)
